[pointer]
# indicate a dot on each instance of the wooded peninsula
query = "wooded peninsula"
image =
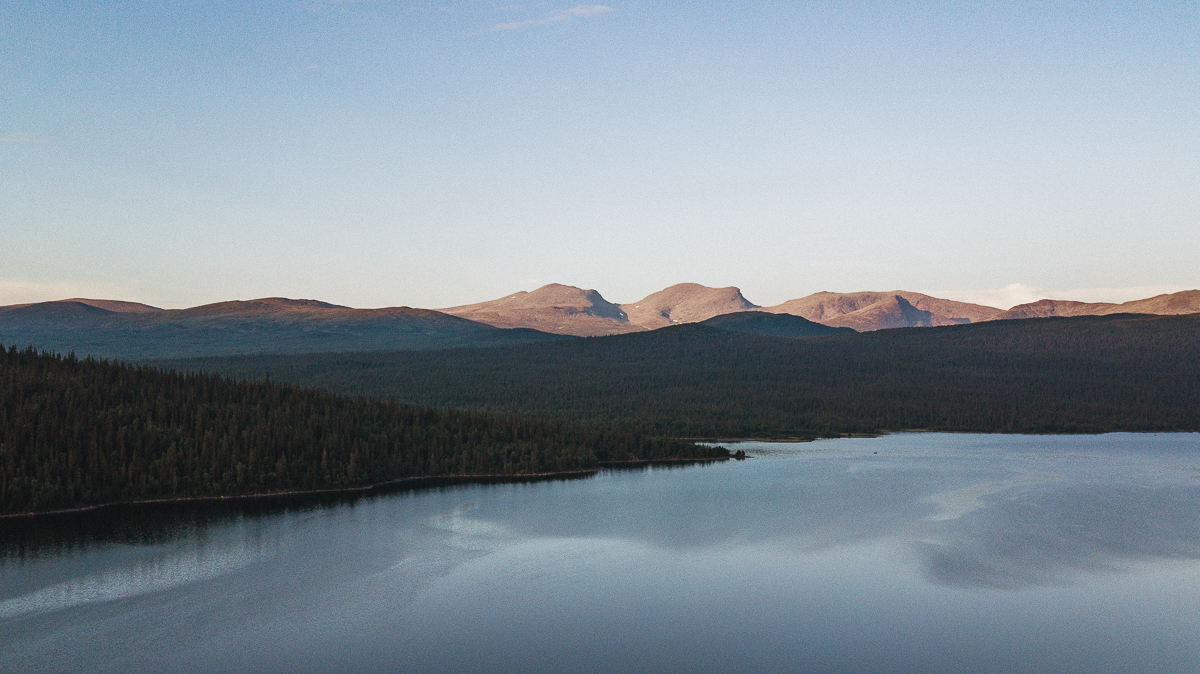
(82, 432)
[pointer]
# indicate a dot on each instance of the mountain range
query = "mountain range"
(130, 330)
(575, 311)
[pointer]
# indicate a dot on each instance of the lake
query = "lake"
(905, 553)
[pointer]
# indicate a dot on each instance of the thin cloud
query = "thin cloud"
(1001, 298)
(561, 15)
(22, 138)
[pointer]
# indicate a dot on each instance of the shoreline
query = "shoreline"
(633, 463)
(399, 484)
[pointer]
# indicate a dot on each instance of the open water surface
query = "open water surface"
(907, 553)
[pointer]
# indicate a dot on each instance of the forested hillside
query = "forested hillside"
(83, 432)
(1086, 374)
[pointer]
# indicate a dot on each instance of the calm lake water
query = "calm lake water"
(907, 553)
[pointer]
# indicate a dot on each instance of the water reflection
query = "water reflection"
(1050, 537)
(903, 553)
(160, 571)
(144, 524)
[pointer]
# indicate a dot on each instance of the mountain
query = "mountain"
(270, 325)
(866, 311)
(555, 308)
(777, 325)
(567, 310)
(1185, 302)
(685, 303)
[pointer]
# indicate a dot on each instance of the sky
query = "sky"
(426, 154)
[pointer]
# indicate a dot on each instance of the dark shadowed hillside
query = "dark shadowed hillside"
(778, 325)
(1087, 374)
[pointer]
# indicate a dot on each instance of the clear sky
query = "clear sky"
(384, 153)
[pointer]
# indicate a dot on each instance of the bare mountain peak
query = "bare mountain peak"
(564, 295)
(685, 303)
(570, 310)
(556, 308)
(875, 310)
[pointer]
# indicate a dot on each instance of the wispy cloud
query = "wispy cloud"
(22, 138)
(560, 15)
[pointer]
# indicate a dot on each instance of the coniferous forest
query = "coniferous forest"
(79, 432)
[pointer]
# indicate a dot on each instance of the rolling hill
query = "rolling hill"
(270, 325)
(777, 325)
(1185, 302)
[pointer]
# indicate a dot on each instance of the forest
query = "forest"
(79, 432)
(82, 432)
(1063, 375)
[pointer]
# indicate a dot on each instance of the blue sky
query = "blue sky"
(429, 154)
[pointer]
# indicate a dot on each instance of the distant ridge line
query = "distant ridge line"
(112, 327)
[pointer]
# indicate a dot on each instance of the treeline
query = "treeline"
(84, 432)
(1086, 374)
